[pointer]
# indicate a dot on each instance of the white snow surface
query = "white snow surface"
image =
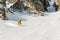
(33, 27)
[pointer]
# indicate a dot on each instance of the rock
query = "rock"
(57, 2)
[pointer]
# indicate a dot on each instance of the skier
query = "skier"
(19, 22)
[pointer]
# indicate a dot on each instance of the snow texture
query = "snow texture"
(33, 27)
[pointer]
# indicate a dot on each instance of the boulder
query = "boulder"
(57, 4)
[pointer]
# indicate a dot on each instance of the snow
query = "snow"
(8, 4)
(51, 2)
(33, 27)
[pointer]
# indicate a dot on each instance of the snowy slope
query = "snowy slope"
(33, 28)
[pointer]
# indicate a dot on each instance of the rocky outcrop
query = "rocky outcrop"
(2, 9)
(57, 4)
(35, 6)
(39, 4)
(45, 4)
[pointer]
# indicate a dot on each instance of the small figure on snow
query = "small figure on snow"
(19, 22)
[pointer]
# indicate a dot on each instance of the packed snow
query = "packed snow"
(33, 27)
